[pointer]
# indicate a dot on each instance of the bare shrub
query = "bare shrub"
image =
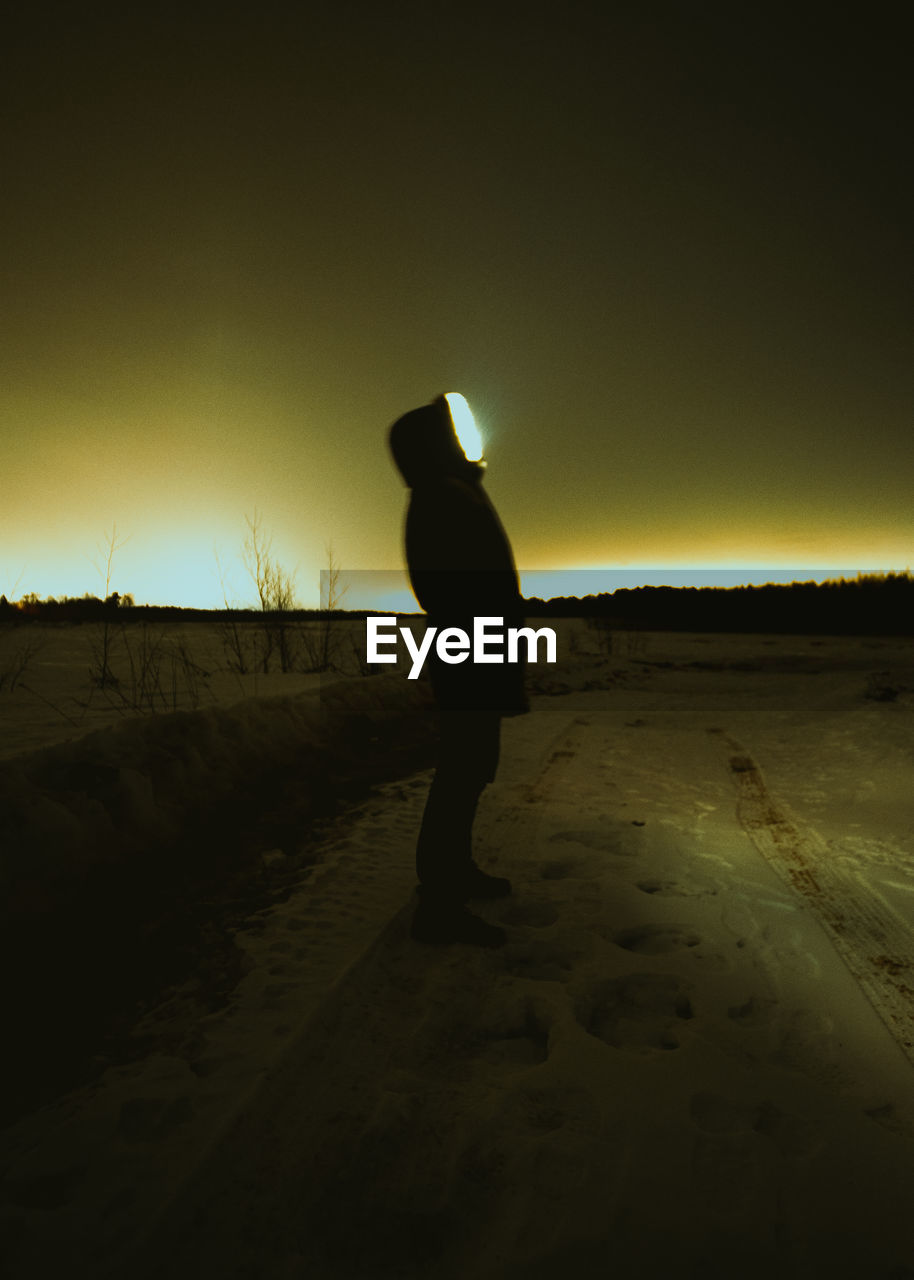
(101, 673)
(231, 632)
(603, 630)
(320, 644)
(883, 686)
(276, 592)
(149, 673)
(188, 677)
(16, 661)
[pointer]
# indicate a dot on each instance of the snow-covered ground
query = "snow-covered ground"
(52, 688)
(693, 1057)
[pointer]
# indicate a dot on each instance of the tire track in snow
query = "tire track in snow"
(874, 941)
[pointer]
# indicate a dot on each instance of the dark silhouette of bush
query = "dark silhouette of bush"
(870, 604)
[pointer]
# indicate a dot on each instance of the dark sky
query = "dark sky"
(664, 251)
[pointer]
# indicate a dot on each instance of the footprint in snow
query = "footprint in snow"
(537, 914)
(675, 888)
(606, 841)
(655, 939)
(639, 1012)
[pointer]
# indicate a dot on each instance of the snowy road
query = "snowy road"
(689, 1057)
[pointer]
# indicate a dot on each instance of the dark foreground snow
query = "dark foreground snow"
(689, 1059)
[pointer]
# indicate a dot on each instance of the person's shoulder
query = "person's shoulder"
(448, 492)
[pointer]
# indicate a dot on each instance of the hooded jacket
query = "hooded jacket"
(458, 555)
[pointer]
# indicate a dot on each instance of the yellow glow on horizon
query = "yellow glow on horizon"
(465, 426)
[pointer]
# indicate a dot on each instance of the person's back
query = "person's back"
(461, 567)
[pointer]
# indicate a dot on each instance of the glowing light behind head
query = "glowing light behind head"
(465, 426)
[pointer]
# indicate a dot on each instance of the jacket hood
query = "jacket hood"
(425, 446)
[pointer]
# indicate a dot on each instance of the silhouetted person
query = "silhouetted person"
(460, 567)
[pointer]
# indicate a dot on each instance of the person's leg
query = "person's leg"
(468, 758)
(467, 762)
(444, 848)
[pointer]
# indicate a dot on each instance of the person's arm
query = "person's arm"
(460, 560)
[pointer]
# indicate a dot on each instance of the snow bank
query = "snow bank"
(125, 795)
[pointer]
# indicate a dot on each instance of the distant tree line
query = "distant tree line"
(90, 608)
(870, 604)
(87, 608)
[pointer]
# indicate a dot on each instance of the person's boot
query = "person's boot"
(442, 923)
